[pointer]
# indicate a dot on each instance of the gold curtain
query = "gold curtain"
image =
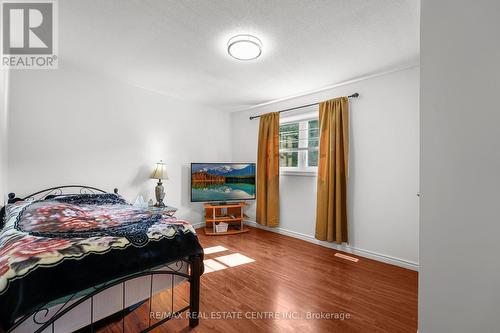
(268, 170)
(331, 207)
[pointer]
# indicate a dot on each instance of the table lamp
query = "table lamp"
(160, 173)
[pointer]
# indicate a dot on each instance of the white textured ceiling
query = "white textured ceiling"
(178, 48)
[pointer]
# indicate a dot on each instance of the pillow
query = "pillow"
(90, 199)
(11, 210)
(7, 211)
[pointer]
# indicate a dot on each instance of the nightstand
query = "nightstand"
(167, 211)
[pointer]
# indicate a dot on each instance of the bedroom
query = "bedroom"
(133, 94)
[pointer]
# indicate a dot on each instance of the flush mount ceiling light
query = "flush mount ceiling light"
(244, 47)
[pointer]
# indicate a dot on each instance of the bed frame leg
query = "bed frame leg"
(194, 291)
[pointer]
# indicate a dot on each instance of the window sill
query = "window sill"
(300, 173)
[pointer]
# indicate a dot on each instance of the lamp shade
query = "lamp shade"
(160, 171)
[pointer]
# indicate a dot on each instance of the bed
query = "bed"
(71, 256)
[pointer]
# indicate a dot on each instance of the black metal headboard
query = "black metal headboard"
(59, 190)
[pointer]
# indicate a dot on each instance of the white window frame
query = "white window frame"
(301, 169)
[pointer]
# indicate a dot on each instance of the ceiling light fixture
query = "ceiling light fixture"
(244, 47)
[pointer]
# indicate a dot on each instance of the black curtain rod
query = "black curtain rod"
(355, 95)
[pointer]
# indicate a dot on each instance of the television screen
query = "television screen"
(222, 181)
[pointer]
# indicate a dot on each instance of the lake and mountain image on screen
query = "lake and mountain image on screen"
(222, 181)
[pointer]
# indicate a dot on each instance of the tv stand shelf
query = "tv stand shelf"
(231, 213)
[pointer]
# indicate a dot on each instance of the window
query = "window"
(299, 142)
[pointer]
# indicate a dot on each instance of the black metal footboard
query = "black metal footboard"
(42, 318)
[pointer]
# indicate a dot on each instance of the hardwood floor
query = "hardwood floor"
(290, 277)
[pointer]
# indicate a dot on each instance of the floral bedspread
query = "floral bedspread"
(46, 232)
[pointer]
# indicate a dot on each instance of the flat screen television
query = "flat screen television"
(222, 182)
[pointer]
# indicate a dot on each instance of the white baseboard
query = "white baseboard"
(198, 225)
(345, 248)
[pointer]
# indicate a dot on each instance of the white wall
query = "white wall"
(384, 167)
(68, 126)
(3, 134)
(460, 180)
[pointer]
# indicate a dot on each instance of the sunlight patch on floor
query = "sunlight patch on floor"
(214, 249)
(212, 265)
(234, 259)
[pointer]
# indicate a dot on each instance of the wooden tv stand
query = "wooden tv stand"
(230, 213)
